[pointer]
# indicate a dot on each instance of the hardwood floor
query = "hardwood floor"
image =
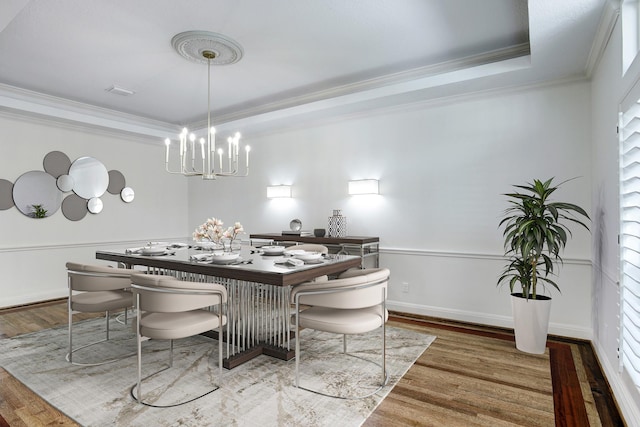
(470, 376)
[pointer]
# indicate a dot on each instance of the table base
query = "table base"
(239, 358)
(258, 318)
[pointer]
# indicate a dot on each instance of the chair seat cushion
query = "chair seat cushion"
(178, 325)
(342, 321)
(93, 302)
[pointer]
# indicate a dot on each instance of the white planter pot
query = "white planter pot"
(531, 322)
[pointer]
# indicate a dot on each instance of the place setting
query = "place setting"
(297, 258)
(156, 249)
(222, 258)
(270, 250)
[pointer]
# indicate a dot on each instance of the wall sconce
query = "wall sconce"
(278, 191)
(363, 186)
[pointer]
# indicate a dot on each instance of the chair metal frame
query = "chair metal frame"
(138, 397)
(382, 365)
(69, 355)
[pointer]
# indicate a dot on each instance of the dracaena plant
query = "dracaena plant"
(536, 231)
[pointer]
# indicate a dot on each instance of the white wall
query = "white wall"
(608, 91)
(442, 169)
(33, 252)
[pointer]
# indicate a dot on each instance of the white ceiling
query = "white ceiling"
(302, 58)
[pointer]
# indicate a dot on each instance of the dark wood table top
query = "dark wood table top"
(262, 269)
(279, 237)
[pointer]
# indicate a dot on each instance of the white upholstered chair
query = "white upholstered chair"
(354, 303)
(94, 289)
(309, 247)
(169, 309)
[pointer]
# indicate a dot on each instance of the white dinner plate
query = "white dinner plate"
(153, 251)
(308, 256)
(225, 257)
(272, 250)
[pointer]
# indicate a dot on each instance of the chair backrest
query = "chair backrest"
(356, 288)
(309, 247)
(165, 294)
(92, 278)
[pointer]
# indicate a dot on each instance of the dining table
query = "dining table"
(258, 284)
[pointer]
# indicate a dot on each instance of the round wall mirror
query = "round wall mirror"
(95, 205)
(127, 194)
(65, 183)
(6, 194)
(116, 182)
(74, 208)
(56, 163)
(90, 177)
(36, 194)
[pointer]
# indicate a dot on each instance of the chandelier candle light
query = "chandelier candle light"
(208, 48)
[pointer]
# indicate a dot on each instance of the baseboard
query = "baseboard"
(34, 298)
(484, 319)
(626, 403)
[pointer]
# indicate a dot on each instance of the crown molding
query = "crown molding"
(608, 20)
(32, 103)
(370, 100)
(415, 105)
(382, 89)
(409, 80)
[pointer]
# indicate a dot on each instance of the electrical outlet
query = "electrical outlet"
(405, 287)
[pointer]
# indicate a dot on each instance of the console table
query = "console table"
(367, 248)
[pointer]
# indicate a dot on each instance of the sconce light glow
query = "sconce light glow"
(279, 191)
(363, 186)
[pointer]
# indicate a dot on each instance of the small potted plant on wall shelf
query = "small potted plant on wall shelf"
(536, 232)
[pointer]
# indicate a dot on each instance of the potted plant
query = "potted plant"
(536, 232)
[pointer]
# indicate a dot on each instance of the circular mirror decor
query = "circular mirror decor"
(74, 208)
(90, 177)
(94, 205)
(6, 194)
(56, 163)
(36, 194)
(116, 182)
(127, 194)
(65, 183)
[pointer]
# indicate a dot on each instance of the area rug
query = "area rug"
(258, 393)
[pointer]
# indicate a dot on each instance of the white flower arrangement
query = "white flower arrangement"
(213, 231)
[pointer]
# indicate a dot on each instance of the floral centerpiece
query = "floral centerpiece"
(212, 231)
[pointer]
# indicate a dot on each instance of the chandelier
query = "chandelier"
(204, 157)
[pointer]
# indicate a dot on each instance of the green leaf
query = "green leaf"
(536, 231)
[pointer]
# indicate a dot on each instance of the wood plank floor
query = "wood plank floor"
(470, 376)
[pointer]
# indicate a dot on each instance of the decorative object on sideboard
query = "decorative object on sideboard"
(86, 177)
(211, 49)
(319, 232)
(337, 224)
(295, 228)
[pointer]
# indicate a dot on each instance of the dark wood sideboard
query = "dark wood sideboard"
(367, 248)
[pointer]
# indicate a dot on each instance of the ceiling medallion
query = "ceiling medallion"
(192, 44)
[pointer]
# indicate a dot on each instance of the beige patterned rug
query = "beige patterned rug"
(258, 393)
